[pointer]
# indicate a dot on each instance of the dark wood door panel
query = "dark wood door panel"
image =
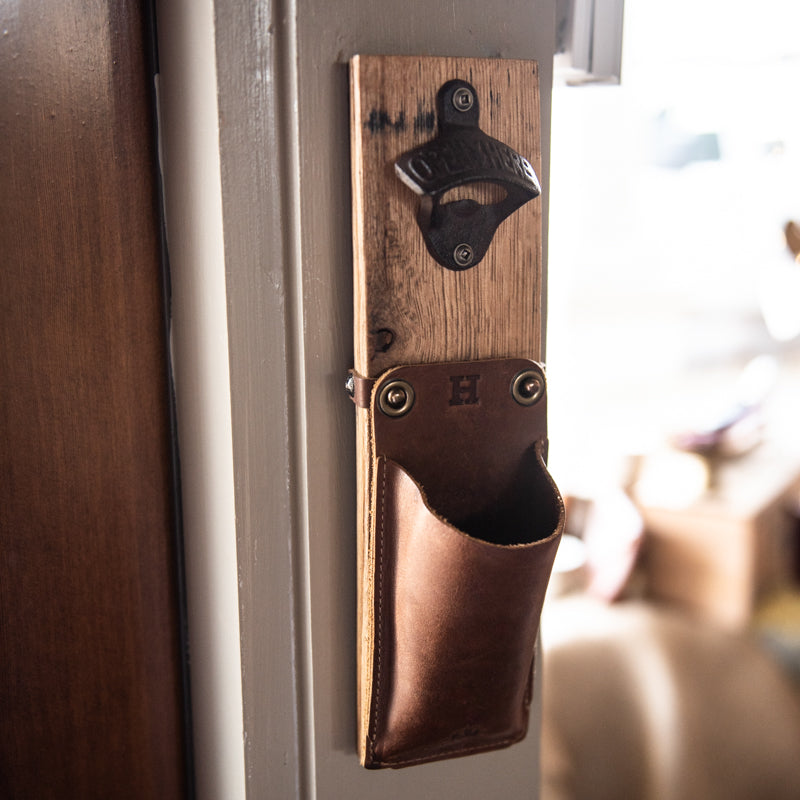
(90, 679)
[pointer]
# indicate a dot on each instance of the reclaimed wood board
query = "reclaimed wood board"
(408, 309)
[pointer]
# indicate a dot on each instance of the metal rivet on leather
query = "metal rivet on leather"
(396, 398)
(527, 388)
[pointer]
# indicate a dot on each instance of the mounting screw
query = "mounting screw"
(527, 387)
(463, 99)
(396, 398)
(463, 255)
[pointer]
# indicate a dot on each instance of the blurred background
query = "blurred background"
(672, 630)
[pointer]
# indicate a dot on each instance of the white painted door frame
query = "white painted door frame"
(255, 141)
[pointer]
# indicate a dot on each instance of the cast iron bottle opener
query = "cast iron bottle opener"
(458, 233)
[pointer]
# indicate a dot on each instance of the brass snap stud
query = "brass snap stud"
(396, 398)
(527, 388)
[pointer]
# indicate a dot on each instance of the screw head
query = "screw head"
(396, 398)
(463, 255)
(463, 99)
(528, 387)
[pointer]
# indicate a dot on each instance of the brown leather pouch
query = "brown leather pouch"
(463, 528)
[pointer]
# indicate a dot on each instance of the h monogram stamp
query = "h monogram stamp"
(465, 390)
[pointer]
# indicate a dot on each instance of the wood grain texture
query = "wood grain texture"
(409, 309)
(90, 688)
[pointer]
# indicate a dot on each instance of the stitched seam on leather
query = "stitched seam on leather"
(367, 586)
(444, 752)
(379, 624)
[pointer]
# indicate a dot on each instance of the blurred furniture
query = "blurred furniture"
(721, 554)
(644, 703)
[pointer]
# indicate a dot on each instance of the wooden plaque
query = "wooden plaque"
(409, 309)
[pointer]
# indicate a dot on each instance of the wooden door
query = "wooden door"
(91, 701)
